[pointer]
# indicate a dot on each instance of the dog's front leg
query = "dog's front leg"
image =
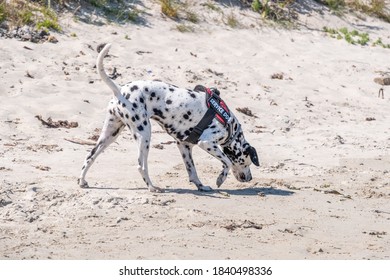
(186, 153)
(213, 149)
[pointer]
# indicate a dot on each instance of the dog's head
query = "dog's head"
(237, 149)
(241, 154)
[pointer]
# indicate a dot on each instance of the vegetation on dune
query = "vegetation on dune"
(274, 10)
(43, 14)
(375, 8)
(19, 13)
(170, 8)
(354, 37)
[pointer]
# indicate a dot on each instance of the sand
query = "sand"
(322, 134)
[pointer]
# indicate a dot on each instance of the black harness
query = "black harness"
(216, 109)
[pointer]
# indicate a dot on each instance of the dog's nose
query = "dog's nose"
(245, 178)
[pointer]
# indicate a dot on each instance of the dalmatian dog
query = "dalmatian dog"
(177, 111)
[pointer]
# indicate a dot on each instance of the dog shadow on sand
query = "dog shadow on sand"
(220, 193)
(215, 193)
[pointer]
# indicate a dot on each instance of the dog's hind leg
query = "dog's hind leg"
(186, 153)
(111, 129)
(142, 133)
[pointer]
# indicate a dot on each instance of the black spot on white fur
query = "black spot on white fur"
(158, 113)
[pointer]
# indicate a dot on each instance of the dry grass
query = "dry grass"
(373, 8)
(20, 13)
(232, 21)
(42, 13)
(192, 16)
(169, 8)
(184, 28)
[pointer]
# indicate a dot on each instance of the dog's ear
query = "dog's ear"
(200, 88)
(253, 155)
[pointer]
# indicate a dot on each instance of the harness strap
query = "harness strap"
(201, 126)
(211, 113)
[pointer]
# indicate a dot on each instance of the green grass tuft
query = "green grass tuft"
(379, 42)
(49, 20)
(257, 6)
(353, 37)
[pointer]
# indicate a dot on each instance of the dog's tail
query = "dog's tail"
(100, 68)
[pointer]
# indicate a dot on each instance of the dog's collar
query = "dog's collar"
(231, 135)
(216, 109)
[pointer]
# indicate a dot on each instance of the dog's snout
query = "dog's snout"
(245, 178)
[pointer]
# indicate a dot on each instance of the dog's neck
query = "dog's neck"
(234, 129)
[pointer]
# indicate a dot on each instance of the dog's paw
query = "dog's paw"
(205, 189)
(82, 183)
(221, 178)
